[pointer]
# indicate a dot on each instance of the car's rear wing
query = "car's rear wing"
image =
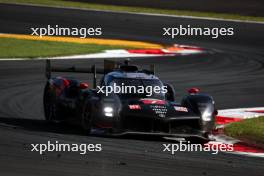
(108, 67)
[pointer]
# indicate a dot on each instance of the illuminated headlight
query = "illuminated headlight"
(108, 111)
(207, 116)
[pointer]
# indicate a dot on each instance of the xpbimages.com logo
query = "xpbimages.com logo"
(66, 31)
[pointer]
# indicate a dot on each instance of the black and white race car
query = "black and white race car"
(105, 113)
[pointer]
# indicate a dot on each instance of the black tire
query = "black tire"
(192, 102)
(86, 118)
(197, 140)
(49, 105)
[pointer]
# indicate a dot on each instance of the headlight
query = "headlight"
(207, 116)
(108, 111)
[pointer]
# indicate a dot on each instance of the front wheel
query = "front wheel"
(86, 118)
(49, 104)
(197, 140)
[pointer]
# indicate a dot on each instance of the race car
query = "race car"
(99, 112)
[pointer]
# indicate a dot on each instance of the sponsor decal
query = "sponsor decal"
(161, 111)
(153, 101)
(134, 107)
(181, 108)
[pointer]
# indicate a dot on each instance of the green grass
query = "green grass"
(87, 5)
(16, 48)
(249, 129)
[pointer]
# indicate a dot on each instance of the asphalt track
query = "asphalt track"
(233, 73)
(244, 7)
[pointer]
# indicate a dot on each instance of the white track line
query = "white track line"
(146, 14)
(249, 154)
(120, 53)
(89, 56)
(241, 112)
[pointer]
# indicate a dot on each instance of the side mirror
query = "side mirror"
(193, 90)
(83, 85)
(170, 95)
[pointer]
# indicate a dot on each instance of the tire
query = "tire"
(86, 118)
(197, 140)
(49, 105)
(192, 102)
